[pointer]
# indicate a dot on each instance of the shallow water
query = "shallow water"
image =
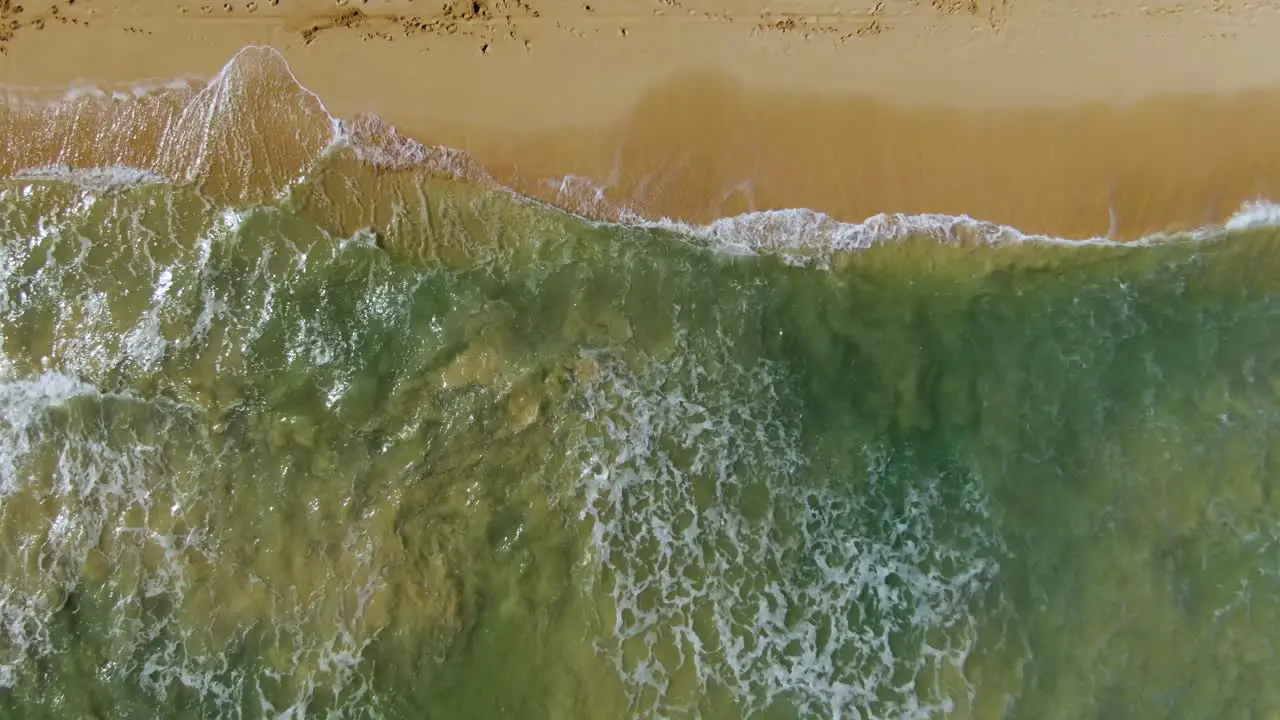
(381, 443)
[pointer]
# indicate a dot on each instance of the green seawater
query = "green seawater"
(485, 459)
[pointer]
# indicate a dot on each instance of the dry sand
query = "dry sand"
(1075, 119)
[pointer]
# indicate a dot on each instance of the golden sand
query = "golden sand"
(1117, 118)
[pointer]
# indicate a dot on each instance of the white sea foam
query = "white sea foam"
(91, 474)
(94, 458)
(807, 236)
(802, 235)
(842, 602)
(25, 95)
(21, 403)
(1254, 214)
(96, 179)
(100, 473)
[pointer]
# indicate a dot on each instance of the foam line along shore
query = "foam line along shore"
(190, 131)
(1018, 113)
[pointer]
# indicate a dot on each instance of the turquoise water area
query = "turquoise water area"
(447, 453)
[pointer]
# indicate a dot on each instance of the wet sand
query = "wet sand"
(1117, 119)
(1160, 165)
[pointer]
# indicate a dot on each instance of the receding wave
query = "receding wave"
(299, 417)
(253, 131)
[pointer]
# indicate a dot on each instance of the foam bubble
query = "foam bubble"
(1254, 214)
(585, 196)
(97, 178)
(804, 236)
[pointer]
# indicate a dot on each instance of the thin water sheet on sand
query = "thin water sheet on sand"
(321, 433)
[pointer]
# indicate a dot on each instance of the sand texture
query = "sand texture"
(1080, 120)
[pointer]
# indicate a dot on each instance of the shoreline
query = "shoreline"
(1109, 157)
(1167, 165)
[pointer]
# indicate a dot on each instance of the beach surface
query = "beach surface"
(1114, 119)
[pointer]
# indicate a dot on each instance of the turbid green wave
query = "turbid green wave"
(486, 459)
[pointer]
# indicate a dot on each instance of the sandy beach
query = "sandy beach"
(308, 410)
(1118, 118)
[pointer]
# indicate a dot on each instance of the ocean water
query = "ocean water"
(330, 426)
